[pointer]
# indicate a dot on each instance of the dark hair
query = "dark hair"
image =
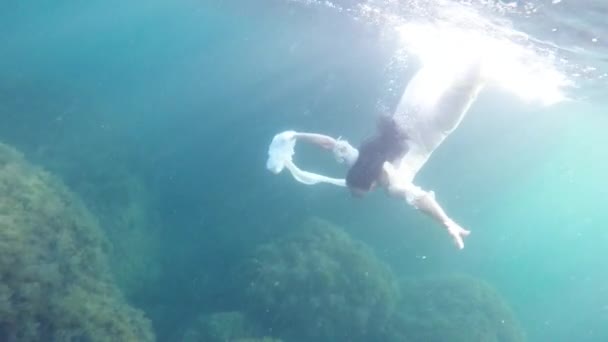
(387, 145)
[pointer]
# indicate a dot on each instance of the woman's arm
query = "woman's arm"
(324, 141)
(282, 149)
(343, 151)
(425, 202)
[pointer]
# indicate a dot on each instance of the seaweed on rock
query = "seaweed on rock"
(55, 283)
(103, 175)
(231, 326)
(453, 308)
(318, 284)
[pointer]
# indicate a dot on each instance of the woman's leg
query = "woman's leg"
(433, 105)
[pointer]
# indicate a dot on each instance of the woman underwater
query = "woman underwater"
(433, 105)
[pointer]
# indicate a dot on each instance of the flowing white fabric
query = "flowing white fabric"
(280, 156)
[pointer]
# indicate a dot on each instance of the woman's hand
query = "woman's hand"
(321, 140)
(457, 232)
(344, 152)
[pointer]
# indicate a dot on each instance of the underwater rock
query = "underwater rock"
(132, 226)
(224, 326)
(318, 284)
(55, 283)
(99, 172)
(453, 308)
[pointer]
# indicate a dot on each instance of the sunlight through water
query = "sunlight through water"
(448, 32)
(506, 65)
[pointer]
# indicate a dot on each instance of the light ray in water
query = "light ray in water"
(448, 30)
(453, 31)
(506, 64)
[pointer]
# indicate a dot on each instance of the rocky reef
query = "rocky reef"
(453, 308)
(55, 282)
(99, 171)
(231, 326)
(318, 284)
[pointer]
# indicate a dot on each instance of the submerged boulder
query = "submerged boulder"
(55, 283)
(231, 326)
(453, 308)
(318, 284)
(102, 174)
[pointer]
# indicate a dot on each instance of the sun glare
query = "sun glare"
(506, 64)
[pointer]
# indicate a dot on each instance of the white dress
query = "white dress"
(432, 106)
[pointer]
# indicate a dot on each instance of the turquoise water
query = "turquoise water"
(157, 115)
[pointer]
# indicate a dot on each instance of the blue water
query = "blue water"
(158, 115)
